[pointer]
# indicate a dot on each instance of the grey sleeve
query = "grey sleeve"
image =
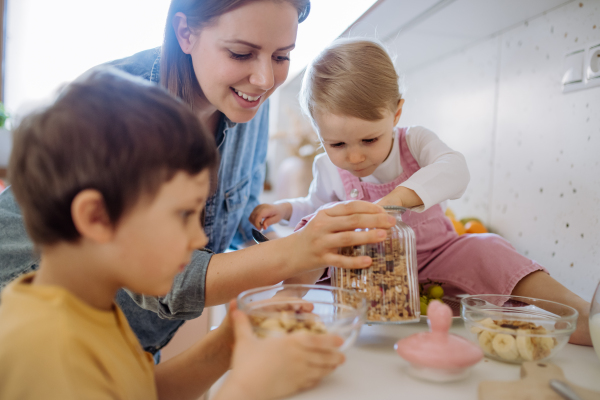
(17, 254)
(186, 298)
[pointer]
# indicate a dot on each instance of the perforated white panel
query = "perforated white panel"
(546, 196)
(533, 152)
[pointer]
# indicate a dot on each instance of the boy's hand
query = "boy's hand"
(277, 367)
(265, 215)
(226, 328)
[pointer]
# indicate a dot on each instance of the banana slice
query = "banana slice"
(475, 329)
(287, 320)
(505, 346)
(525, 345)
(271, 324)
(485, 342)
(488, 323)
(543, 347)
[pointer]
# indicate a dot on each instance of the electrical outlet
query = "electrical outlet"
(592, 65)
(573, 67)
(581, 68)
(573, 77)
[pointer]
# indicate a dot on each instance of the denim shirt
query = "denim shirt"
(243, 150)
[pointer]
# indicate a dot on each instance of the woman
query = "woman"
(224, 58)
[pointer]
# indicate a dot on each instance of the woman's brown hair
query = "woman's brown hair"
(176, 69)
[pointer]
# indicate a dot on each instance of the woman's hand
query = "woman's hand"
(276, 367)
(316, 245)
(265, 215)
(313, 247)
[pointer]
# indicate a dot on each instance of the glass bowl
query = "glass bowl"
(515, 329)
(314, 309)
(595, 321)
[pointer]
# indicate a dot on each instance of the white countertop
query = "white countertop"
(373, 370)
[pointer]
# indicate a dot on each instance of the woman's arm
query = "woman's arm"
(17, 253)
(313, 247)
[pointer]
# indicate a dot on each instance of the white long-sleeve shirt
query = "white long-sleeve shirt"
(443, 175)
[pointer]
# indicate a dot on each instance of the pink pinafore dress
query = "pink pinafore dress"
(470, 263)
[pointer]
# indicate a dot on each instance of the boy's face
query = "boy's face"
(155, 240)
(354, 144)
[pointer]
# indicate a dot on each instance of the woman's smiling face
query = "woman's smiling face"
(242, 56)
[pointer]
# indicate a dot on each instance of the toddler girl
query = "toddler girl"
(352, 96)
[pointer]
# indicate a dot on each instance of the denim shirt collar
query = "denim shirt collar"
(155, 71)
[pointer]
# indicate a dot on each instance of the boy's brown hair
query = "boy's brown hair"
(108, 131)
(354, 77)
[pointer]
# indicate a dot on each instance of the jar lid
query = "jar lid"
(438, 349)
(399, 209)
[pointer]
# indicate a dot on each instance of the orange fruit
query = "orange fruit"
(458, 227)
(449, 213)
(475, 226)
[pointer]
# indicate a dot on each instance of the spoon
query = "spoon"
(258, 236)
(564, 390)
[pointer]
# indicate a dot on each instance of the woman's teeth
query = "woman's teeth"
(245, 96)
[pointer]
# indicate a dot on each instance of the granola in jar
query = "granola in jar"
(390, 284)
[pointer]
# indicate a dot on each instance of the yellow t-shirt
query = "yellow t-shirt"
(55, 346)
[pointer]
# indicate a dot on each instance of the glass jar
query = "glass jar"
(391, 283)
(595, 320)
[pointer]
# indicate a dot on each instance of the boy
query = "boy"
(112, 179)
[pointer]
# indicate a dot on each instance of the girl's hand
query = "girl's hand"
(265, 215)
(316, 245)
(276, 367)
(402, 197)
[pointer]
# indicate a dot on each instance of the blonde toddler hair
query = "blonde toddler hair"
(353, 77)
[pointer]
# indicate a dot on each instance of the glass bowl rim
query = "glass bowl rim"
(243, 306)
(574, 314)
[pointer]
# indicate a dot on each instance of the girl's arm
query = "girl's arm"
(321, 191)
(311, 248)
(401, 196)
(443, 175)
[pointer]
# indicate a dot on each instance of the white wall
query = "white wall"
(50, 43)
(533, 152)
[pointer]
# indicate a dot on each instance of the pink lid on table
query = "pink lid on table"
(438, 349)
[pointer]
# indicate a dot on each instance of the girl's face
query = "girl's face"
(357, 145)
(242, 56)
